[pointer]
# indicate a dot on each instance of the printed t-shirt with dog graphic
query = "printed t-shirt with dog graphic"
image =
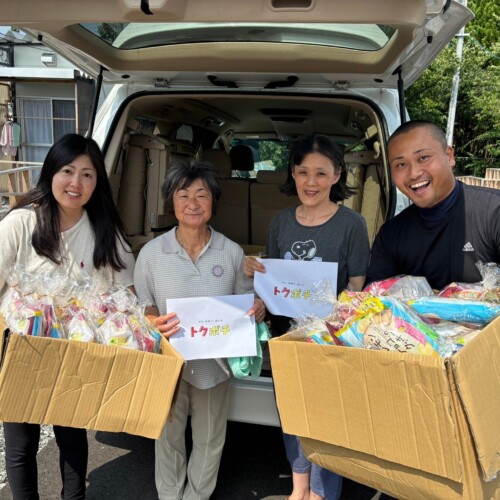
(343, 239)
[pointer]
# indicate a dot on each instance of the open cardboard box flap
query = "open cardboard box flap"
(397, 407)
(476, 369)
(88, 385)
(394, 406)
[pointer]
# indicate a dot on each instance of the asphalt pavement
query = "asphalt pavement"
(121, 467)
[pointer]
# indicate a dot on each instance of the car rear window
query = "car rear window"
(365, 37)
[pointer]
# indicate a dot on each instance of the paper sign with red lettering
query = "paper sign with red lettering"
(288, 286)
(214, 327)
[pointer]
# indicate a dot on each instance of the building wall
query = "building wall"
(30, 56)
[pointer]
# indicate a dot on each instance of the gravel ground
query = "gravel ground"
(46, 434)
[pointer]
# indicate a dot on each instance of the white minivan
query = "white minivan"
(236, 82)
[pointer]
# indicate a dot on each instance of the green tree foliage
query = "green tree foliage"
(110, 31)
(477, 121)
(486, 24)
(274, 152)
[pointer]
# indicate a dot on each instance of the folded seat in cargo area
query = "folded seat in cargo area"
(364, 173)
(146, 160)
(233, 213)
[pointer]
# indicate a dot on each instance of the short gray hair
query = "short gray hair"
(183, 173)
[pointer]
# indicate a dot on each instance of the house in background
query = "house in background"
(44, 94)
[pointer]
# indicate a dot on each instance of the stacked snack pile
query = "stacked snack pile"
(45, 305)
(404, 314)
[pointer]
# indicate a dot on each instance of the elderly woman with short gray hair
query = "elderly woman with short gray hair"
(190, 260)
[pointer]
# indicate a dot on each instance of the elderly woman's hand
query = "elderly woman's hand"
(251, 265)
(166, 324)
(259, 309)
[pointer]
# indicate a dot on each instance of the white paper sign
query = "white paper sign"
(214, 327)
(287, 287)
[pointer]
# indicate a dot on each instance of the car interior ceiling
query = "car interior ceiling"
(149, 143)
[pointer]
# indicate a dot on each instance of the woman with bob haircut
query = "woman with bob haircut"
(192, 260)
(322, 230)
(67, 224)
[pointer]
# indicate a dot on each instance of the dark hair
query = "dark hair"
(406, 127)
(103, 216)
(319, 143)
(183, 173)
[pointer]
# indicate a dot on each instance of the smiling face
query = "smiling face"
(193, 204)
(73, 185)
(314, 178)
(422, 168)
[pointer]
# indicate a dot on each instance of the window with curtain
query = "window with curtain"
(43, 121)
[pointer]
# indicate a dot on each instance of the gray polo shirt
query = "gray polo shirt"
(164, 270)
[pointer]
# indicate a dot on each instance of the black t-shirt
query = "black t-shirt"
(447, 252)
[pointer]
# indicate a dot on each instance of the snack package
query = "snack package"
(51, 324)
(490, 274)
(146, 334)
(47, 304)
(349, 334)
(459, 310)
(395, 327)
(116, 330)
(81, 327)
(319, 337)
(22, 313)
(463, 291)
(488, 290)
(452, 336)
(401, 287)
(348, 306)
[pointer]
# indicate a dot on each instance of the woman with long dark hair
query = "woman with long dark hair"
(66, 224)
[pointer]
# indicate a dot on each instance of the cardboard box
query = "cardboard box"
(415, 427)
(92, 386)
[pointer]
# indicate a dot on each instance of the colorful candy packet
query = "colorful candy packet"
(390, 325)
(473, 311)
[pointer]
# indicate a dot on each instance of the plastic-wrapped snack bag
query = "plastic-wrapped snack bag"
(463, 340)
(26, 283)
(333, 333)
(490, 274)
(452, 336)
(22, 313)
(80, 327)
(27, 322)
(147, 339)
(116, 330)
(402, 287)
(393, 328)
(300, 327)
(351, 304)
(154, 332)
(460, 310)
(122, 299)
(52, 326)
(55, 285)
(377, 288)
(319, 337)
(86, 296)
(349, 334)
(463, 291)
(487, 290)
